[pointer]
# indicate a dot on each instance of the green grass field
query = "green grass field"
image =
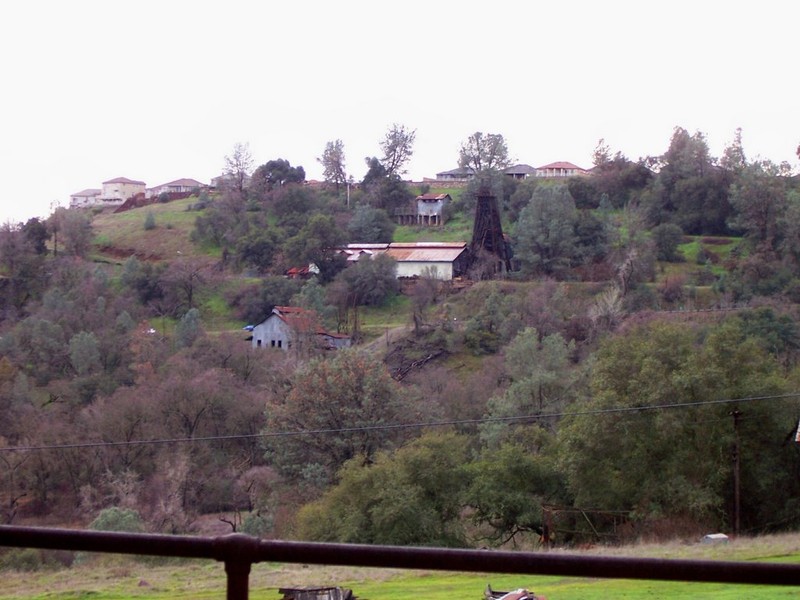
(121, 578)
(125, 579)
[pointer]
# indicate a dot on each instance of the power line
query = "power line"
(399, 426)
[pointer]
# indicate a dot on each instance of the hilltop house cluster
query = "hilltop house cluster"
(520, 171)
(115, 192)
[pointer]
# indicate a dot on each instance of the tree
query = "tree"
(339, 403)
(653, 441)
(371, 225)
(371, 280)
(543, 379)
(615, 180)
(409, 497)
(183, 281)
(84, 353)
(315, 244)
(733, 157)
(482, 152)
(254, 303)
(188, 329)
(397, 147)
(258, 248)
(22, 268)
(274, 174)
(293, 206)
(76, 233)
(376, 174)
(510, 484)
(759, 197)
(238, 166)
(37, 234)
(688, 189)
(667, 237)
(545, 232)
(333, 163)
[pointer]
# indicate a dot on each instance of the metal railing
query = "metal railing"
(239, 552)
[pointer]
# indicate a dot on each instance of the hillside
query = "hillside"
(614, 318)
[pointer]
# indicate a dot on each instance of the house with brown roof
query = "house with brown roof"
(560, 169)
(118, 190)
(295, 328)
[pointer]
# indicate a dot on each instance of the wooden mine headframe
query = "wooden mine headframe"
(487, 232)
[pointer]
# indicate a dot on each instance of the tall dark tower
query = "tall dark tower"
(487, 232)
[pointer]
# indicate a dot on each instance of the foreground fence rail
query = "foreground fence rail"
(239, 552)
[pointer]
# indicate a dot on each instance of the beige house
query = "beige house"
(179, 186)
(560, 169)
(85, 198)
(118, 190)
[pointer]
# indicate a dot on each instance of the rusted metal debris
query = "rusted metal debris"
(317, 593)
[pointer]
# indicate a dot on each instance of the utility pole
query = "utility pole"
(737, 502)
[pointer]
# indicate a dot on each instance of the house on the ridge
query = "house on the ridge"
(459, 174)
(560, 169)
(520, 171)
(85, 198)
(295, 328)
(118, 190)
(179, 186)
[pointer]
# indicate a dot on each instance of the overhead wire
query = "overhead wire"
(398, 426)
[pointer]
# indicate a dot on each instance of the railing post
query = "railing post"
(238, 572)
(238, 551)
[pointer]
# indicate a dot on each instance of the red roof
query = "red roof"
(299, 319)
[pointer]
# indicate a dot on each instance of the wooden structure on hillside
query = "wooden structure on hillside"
(487, 232)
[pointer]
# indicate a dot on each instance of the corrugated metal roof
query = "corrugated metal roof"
(409, 251)
(426, 254)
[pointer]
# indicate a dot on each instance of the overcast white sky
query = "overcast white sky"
(161, 90)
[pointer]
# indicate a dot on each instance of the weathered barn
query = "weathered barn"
(289, 327)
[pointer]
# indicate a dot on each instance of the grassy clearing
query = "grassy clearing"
(457, 229)
(375, 321)
(126, 234)
(117, 578)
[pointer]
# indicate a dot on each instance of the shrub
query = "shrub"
(118, 519)
(667, 237)
(149, 221)
(24, 559)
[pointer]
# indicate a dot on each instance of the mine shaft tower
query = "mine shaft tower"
(487, 232)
